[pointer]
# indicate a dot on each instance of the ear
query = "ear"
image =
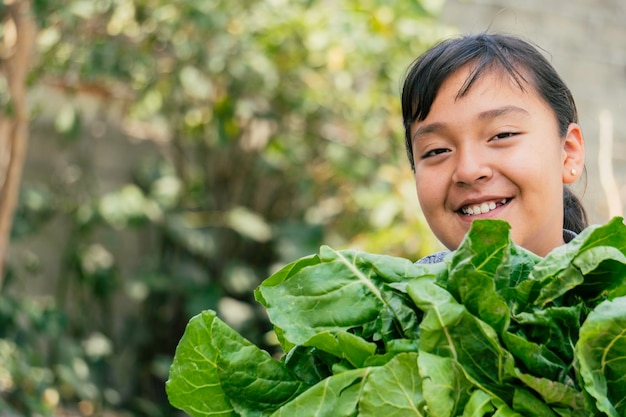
(573, 151)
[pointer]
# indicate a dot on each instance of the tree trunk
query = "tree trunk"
(17, 47)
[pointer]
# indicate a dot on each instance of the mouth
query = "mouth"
(483, 207)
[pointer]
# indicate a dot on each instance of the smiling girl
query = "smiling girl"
(491, 132)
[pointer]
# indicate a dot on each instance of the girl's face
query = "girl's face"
(496, 153)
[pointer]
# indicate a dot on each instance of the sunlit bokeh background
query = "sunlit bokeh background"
(180, 152)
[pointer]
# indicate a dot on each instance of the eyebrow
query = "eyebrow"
(501, 111)
(485, 115)
(429, 128)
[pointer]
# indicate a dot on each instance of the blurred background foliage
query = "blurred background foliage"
(269, 128)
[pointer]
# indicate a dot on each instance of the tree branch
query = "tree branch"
(18, 46)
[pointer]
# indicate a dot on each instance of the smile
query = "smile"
(482, 208)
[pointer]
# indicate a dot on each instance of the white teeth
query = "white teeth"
(481, 208)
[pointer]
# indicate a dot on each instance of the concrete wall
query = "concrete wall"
(586, 42)
(99, 161)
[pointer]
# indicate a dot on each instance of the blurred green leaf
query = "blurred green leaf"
(253, 132)
(249, 224)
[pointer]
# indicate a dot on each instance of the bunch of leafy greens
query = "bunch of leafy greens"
(494, 330)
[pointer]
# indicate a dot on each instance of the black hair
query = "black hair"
(519, 59)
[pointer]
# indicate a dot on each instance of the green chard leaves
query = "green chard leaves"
(493, 330)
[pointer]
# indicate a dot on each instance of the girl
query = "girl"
(491, 132)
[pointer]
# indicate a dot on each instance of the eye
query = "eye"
(505, 135)
(434, 152)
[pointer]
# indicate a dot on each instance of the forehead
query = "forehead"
(466, 97)
(492, 75)
(490, 88)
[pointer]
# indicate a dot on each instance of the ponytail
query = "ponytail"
(574, 214)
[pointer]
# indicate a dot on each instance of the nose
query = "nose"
(472, 165)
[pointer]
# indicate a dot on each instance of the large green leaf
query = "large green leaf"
(479, 268)
(344, 291)
(601, 353)
(558, 395)
(389, 268)
(216, 372)
(251, 378)
(528, 404)
(194, 384)
(369, 338)
(310, 364)
(553, 328)
(445, 388)
(449, 330)
(335, 396)
(343, 345)
(594, 260)
(394, 390)
(478, 405)
(537, 358)
(441, 313)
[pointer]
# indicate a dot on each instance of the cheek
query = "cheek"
(430, 189)
(538, 179)
(533, 165)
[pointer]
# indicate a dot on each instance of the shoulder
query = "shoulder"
(433, 258)
(437, 257)
(568, 235)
